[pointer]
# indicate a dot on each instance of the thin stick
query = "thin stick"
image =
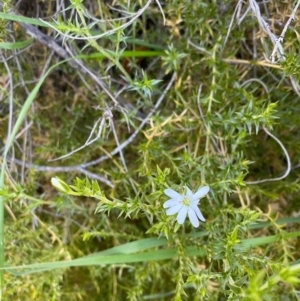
(82, 167)
(266, 28)
(288, 170)
(132, 137)
(281, 37)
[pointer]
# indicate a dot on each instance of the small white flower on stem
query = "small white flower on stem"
(186, 204)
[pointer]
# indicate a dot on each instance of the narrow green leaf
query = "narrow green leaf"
(18, 18)
(123, 254)
(8, 145)
(16, 45)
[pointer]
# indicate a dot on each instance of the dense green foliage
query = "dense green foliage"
(195, 101)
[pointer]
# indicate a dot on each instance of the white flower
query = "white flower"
(186, 204)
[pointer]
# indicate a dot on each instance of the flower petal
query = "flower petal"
(174, 209)
(182, 215)
(198, 212)
(188, 192)
(173, 194)
(170, 203)
(193, 218)
(200, 193)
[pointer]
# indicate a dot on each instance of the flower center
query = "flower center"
(186, 202)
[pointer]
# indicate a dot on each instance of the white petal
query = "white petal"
(193, 218)
(173, 194)
(182, 215)
(188, 193)
(200, 193)
(170, 203)
(198, 212)
(174, 209)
